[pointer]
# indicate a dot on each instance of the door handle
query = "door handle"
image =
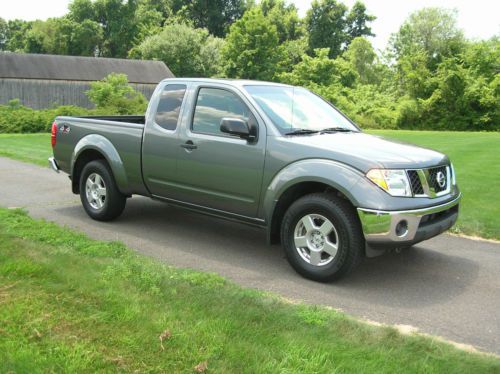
(189, 145)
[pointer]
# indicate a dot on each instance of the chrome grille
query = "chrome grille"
(416, 185)
(430, 182)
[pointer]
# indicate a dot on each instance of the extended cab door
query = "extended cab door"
(215, 169)
(161, 138)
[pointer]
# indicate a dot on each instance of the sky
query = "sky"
(478, 18)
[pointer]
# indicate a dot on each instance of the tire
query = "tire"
(101, 199)
(314, 254)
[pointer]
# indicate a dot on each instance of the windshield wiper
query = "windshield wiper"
(302, 132)
(336, 129)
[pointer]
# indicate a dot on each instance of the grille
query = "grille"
(433, 180)
(416, 185)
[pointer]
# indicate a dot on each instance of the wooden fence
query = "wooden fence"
(39, 94)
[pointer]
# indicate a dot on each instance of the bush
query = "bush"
(15, 118)
(114, 94)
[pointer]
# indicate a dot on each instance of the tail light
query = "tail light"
(53, 135)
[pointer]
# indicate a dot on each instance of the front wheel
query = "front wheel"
(322, 237)
(99, 194)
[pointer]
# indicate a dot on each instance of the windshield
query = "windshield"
(295, 108)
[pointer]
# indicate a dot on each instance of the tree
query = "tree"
(321, 70)
(251, 49)
(431, 30)
(188, 52)
(357, 21)
(115, 94)
(214, 15)
(285, 17)
(4, 34)
(362, 57)
(117, 19)
(330, 25)
(16, 34)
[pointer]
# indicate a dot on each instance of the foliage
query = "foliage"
(15, 118)
(331, 25)
(187, 51)
(4, 34)
(214, 15)
(432, 31)
(116, 19)
(429, 77)
(285, 17)
(113, 93)
(252, 47)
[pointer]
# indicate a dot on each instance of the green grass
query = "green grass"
(72, 304)
(476, 156)
(34, 148)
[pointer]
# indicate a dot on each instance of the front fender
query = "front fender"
(334, 174)
(102, 145)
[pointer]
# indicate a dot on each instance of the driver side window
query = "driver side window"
(214, 104)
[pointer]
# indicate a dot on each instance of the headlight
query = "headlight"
(394, 182)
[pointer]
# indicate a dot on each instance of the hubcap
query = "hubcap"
(95, 190)
(316, 239)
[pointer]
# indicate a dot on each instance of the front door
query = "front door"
(215, 169)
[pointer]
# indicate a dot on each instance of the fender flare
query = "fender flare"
(344, 178)
(102, 145)
(334, 174)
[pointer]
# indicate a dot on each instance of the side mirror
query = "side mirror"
(235, 126)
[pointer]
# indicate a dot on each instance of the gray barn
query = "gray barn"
(42, 81)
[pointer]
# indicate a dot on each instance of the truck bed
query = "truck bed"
(140, 120)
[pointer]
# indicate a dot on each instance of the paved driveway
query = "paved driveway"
(447, 286)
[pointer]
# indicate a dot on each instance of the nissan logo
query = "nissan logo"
(440, 179)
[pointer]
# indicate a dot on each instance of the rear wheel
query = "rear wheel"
(99, 194)
(322, 237)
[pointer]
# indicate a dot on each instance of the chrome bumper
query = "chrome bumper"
(402, 227)
(53, 164)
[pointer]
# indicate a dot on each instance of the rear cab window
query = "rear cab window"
(169, 106)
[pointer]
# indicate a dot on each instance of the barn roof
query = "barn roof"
(76, 68)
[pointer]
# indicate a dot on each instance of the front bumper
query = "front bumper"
(401, 228)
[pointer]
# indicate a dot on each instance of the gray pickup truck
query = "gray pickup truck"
(266, 154)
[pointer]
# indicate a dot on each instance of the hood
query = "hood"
(365, 152)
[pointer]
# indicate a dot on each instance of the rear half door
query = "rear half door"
(161, 139)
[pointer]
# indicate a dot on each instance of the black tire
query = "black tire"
(346, 235)
(112, 204)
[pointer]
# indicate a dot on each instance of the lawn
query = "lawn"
(72, 304)
(476, 156)
(34, 148)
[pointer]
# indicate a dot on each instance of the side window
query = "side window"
(169, 107)
(212, 105)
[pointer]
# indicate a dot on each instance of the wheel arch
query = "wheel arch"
(293, 182)
(97, 147)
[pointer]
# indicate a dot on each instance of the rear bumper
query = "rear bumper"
(53, 164)
(401, 228)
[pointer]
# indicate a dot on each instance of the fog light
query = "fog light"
(402, 228)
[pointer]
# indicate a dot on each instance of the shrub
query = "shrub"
(114, 94)
(15, 118)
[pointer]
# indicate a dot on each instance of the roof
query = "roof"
(77, 68)
(229, 81)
